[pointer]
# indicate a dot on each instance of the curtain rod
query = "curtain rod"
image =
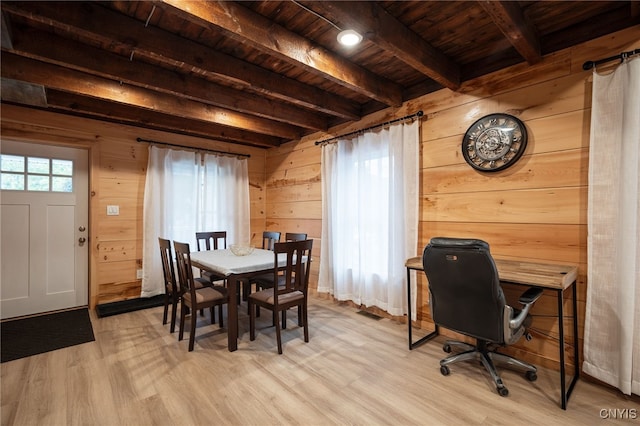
(193, 148)
(355, 132)
(622, 56)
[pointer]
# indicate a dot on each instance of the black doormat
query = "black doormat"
(35, 335)
(115, 308)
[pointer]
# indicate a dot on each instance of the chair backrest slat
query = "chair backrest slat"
(269, 238)
(295, 236)
(168, 271)
(211, 240)
(185, 270)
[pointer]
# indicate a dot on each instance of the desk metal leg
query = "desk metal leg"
(232, 320)
(409, 308)
(576, 352)
(424, 339)
(565, 394)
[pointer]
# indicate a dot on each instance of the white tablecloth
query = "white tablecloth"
(224, 262)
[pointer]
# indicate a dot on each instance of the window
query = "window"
(186, 192)
(370, 216)
(20, 173)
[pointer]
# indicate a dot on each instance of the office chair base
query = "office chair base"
(488, 357)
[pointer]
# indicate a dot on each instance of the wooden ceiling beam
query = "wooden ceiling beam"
(508, 16)
(115, 31)
(605, 23)
(64, 79)
(23, 93)
(138, 117)
(5, 33)
(381, 28)
(50, 48)
(247, 26)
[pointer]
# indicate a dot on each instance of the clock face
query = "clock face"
(494, 142)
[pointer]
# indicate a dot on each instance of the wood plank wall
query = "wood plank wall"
(117, 177)
(536, 210)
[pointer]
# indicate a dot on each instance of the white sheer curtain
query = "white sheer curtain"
(370, 216)
(225, 198)
(184, 194)
(612, 325)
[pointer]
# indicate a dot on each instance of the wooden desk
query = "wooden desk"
(552, 277)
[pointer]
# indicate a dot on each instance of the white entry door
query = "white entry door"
(44, 226)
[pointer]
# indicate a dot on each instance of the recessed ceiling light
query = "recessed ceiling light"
(349, 38)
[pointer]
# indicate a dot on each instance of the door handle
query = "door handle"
(82, 240)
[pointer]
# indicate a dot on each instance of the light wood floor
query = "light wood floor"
(355, 370)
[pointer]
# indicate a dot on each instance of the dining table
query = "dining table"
(236, 268)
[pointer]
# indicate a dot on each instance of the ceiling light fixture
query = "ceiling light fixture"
(345, 37)
(349, 38)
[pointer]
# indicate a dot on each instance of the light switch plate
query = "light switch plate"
(113, 210)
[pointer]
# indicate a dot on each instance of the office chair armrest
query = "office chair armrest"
(527, 299)
(531, 295)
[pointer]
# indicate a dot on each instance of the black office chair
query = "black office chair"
(466, 297)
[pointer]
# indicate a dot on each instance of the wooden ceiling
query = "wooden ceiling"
(261, 73)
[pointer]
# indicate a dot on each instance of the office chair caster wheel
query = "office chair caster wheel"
(447, 348)
(531, 376)
(503, 391)
(444, 370)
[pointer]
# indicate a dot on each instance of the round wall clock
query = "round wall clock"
(494, 142)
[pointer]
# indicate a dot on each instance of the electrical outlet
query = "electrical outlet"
(139, 274)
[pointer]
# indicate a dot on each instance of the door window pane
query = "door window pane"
(38, 165)
(12, 181)
(62, 167)
(37, 183)
(12, 163)
(61, 184)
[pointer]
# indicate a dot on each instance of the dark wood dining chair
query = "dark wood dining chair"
(266, 280)
(172, 294)
(216, 240)
(289, 236)
(295, 236)
(291, 289)
(213, 240)
(269, 238)
(196, 298)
